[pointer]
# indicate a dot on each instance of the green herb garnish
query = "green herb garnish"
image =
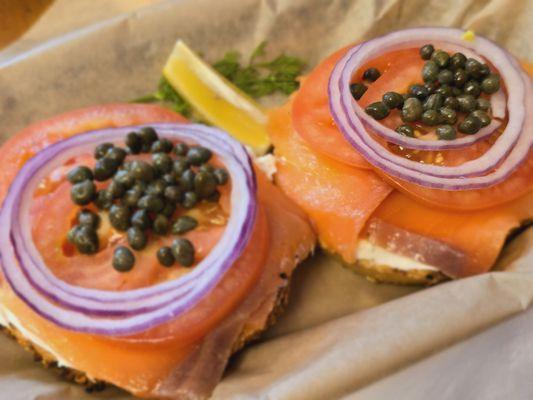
(167, 96)
(261, 78)
(257, 78)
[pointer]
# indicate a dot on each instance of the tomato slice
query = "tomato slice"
(22, 146)
(313, 121)
(399, 69)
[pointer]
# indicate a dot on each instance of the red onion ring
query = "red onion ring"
(128, 312)
(512, 146)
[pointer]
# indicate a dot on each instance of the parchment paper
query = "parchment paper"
(342, 337)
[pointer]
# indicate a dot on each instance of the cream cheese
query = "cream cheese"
(7, 318)
(267, 164)
(380, 256)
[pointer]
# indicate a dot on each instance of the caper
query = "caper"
(189, 200)
(142, 171)
(377, 110)
(198, 155)
(151, 203)
(183, 252)
(184, 224)
(459, 78)
(116, 190)
(491, 84)
(170, 178)
(470, 125)
(451, 102)
(430, 117)
(411, 110)
(126, 166)
(117, 155)
(156, 187)
(484, 71)
(392, 100)
(71, 234)
(169, 210)
(406, 130)
(181, 149)
(162, 146)
(446, 132)
(457, 61)
(131, 197)
(445, 77)
(187, 180)
(419, 91)
(357, 90)
(222, 176)
(165, 256)
(472, 88)
(103, 200)
(148, 135)
(101, 150)
(206, 168)
(204, 184)
(430, 71)
(431, 87)
(433, 102)
(120, 217)
(104, 169)
(482, 116)
(123, 259)
(141, 219)
(448, 115)
(173, 194)
(137, 238)
(80, 174)
(483, 104)
(467, 103)
(133, 142)
(162, 162)
(426, 51)
(180, 166)
(473, 68)
(371, 74)
(88, 218)
(456, 91)
(83, 193)
(445, 91)
(124, 178)
(213, 197)
(86, 240)
(161, 224)
(140, 186)
(441, 58)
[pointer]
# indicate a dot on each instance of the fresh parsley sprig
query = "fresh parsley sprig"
(261, 78)
(167, 96)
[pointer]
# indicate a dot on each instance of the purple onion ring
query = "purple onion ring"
(114, 313)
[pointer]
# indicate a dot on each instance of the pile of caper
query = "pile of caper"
(452, 84)
(142, 197)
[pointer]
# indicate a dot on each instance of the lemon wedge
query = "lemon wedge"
(216, 99)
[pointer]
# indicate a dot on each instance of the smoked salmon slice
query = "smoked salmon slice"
(338, 198)
(346, 204)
